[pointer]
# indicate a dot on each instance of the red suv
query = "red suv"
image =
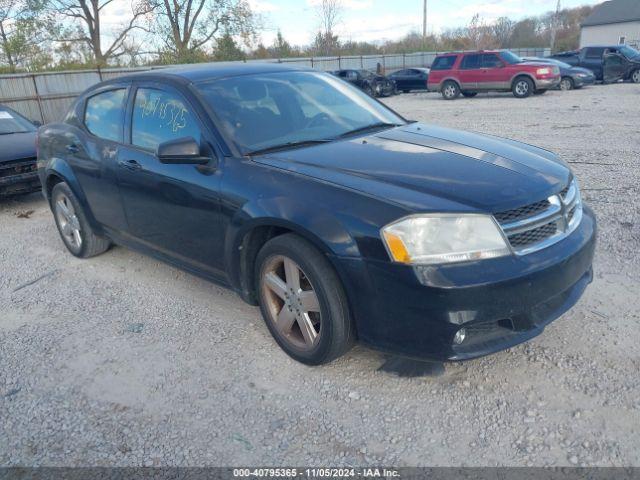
(468, 73)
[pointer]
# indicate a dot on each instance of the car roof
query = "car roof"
(469, 52)
(211, 71)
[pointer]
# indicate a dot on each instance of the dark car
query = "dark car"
(609, 63)
(371, 83)
(571, 77)
(410, 79)
(341, 219)
(17, 154)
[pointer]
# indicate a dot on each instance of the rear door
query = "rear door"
(470, 73)
(173, 209)
(92, 153)
(418, 79)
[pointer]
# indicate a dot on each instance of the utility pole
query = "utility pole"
(554, 27)
(424, 24)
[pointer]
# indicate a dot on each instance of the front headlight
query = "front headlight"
(444, 238)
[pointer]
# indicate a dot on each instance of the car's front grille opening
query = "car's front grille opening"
(522, 212)
(540, 224)
(18, 167)
(534, 235)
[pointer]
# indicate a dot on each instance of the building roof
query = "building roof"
(614, 11)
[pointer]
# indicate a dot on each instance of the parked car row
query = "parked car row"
(468, 73)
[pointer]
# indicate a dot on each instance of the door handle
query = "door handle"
(132, 165)
(72, 148)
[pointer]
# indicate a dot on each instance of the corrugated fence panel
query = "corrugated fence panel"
(48, 97)
(65, 83)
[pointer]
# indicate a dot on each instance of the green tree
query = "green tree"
(22, 34)
(227, 49)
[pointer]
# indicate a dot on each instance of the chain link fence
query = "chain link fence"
(45, 97)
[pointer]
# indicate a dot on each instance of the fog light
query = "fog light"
(460, 336)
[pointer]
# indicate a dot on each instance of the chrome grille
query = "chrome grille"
(541, 224)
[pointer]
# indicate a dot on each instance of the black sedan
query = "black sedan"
(340, 218)
(17, 154)
(572, 77)
(371, 83)
(410, 79)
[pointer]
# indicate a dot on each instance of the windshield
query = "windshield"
(268, 110)
(629, 52)
(510, 57)
(11, 122)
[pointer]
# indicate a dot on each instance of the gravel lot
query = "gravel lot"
(122, 360)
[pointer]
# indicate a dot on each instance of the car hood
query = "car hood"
(17, 145)
(410, 164)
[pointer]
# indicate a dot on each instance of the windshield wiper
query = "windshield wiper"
(287, 146)
(373, 126)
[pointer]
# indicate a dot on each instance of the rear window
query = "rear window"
(443, 63)
(595, 52)
(470, 62)
(104, 114)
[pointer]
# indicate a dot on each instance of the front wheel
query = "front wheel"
(522, 87)
(450, 90)
(566, 83)
(635, 76)
(75, 231)
(302, 301)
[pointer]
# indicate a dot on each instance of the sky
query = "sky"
(372, 20)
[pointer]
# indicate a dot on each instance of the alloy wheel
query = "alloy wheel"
(449, 91)
(292, 303)
(565, 84)
(522, 87)
(68, 221)
(636, 76)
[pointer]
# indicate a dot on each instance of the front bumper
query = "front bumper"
(547, 83)
(416, 312)
(583, 81)
(19, 176)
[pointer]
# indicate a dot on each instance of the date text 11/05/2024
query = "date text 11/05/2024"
(316, 472)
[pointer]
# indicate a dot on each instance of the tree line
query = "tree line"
(69, 34)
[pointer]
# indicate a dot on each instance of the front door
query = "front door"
(173, 209)
(615, 67)
(492, 72)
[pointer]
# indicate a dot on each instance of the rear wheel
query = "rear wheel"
(75, 231)
(469, 94)
(566, 83)
(522, 87)
(450, 90)
(302, 301)
(635, 76)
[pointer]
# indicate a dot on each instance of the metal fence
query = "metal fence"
(45, 97)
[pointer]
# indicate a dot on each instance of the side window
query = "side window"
(594, 52)
(104, 113)
(491, 60)
(443, 63)
(160, 116)
(470, 62)
(351, 75)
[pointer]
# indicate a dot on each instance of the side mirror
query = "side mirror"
(37, 123)
(181, 151)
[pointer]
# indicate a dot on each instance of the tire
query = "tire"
(540, 92)
(635, 76)
(315, 275)
(522, 87)
(450, 90)
(469, 94)
(567, 83)
(75, 231)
